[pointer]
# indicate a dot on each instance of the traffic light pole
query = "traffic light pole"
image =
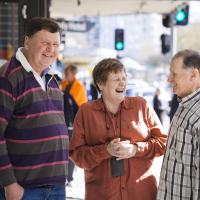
(173, 40)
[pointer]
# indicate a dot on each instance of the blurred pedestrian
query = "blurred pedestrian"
(173, 106)
(33, 133)
(74, 95)
(116, 139)
(157, 104)
(180, 172)
(93, 91)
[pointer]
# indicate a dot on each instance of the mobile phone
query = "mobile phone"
(117, 167)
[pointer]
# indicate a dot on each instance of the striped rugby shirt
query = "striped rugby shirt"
(180, 174)
(33, 133)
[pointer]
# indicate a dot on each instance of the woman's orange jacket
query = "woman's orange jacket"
(94, 128)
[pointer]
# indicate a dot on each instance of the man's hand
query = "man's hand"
(14, 192)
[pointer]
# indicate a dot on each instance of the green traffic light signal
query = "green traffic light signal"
(119, 46)
(181, 16)
(119, 39)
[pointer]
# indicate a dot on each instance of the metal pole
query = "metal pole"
(173, 40)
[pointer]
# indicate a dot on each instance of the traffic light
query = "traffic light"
(119, 39)
(181, 16)
(166, 20)
(165, 43)
(63, 37)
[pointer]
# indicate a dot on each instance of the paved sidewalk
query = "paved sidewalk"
(77, 191)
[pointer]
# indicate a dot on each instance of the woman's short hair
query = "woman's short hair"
(104, 68)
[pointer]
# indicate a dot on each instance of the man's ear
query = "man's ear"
(195, 73)
(26, 42)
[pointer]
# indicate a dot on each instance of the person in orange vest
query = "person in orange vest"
(75, 95)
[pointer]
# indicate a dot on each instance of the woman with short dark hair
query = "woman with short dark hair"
(115, 139)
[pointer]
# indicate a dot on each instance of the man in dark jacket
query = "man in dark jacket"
(74, 96)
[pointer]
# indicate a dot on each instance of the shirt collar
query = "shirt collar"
(193, 96)
(46, 71)
(99, 104)
(26, 65)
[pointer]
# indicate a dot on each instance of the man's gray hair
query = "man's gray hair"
(190, 58)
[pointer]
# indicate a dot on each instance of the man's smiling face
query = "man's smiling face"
(181, 78)
(41, 49)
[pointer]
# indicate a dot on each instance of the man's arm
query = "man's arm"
(196, 168)
(7, 102)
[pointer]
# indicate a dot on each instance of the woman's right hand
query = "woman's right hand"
(121, 149)
(113, 147)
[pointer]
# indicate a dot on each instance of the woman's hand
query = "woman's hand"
(126, 150)
(121, 149)
(113, 147)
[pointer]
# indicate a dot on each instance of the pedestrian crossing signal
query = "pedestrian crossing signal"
(119, 39)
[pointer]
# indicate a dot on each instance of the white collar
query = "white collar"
(26, 65)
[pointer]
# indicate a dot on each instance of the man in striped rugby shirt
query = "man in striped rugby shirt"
(180, 174)
(33, 133)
